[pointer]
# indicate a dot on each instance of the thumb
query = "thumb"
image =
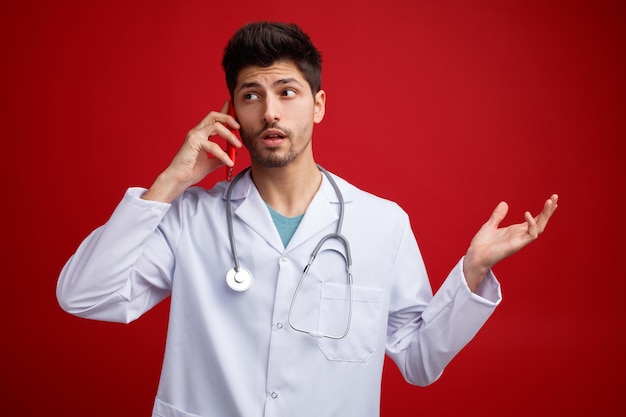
(498, 214)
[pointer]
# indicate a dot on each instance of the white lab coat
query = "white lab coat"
(234, 353)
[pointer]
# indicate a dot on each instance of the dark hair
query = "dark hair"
(264, 43)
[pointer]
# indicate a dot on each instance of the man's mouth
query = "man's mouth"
(273, 137)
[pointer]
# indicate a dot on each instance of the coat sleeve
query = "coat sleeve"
(123, 268)
(425, 332)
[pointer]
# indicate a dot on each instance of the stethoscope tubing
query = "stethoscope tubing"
(240, 279)
(337, 234)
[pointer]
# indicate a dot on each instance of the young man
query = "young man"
(250, 334)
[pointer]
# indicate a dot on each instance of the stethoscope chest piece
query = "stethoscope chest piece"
(239, 279)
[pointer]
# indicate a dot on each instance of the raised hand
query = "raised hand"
(197, 157)
(492, 244)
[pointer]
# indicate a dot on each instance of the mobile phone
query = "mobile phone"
(230, 149)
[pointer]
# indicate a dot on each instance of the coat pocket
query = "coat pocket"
(364, 332)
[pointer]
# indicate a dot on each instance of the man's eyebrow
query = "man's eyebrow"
(250, 84)
(286, 81)
(254, 84)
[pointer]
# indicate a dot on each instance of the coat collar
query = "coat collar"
(322, 212)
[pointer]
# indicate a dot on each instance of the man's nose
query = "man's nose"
(272, 112)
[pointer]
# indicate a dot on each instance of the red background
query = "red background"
(446, 107)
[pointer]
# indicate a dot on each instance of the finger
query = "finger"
(214, 117)
(215, 151)
(197, 139)
(228, 134)
(201, 134)
(533, 229)
(554, 198)
(498, 214)
(548, 209)
(551, 203)
(223, 132)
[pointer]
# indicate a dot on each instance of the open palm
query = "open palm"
(493, 243)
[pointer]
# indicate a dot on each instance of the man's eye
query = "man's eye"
(250, 96)
(289, 93)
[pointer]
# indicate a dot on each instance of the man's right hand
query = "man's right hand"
(197, 157)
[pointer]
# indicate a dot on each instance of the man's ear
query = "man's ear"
(320, 106)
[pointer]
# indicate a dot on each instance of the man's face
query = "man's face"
(277, 111)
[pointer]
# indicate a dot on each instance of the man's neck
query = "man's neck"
(288, 190)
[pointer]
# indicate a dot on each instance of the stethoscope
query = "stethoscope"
(239, 278)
